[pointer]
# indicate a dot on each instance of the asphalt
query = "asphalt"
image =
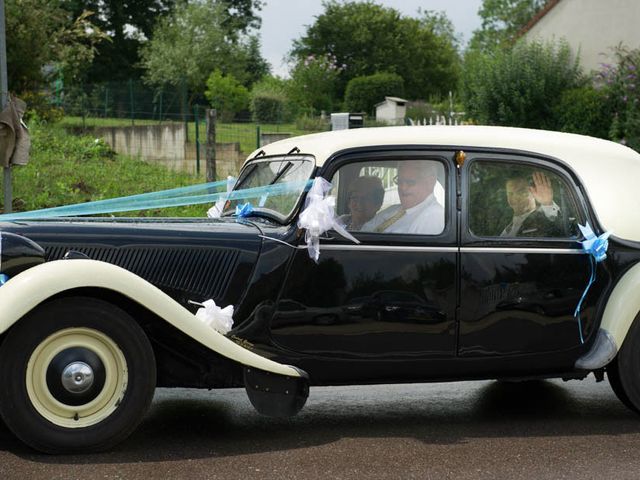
(488, 430)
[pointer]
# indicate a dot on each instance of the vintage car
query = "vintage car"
(95, 313)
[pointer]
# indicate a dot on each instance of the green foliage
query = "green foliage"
(39, 107)
(364, 38)
(620, 83)
(193, 42)
(363, 93)
(226, 95)
(313, 83)
(269, 101)
(40, 34)
(518, 87)
(501, 22)
(66, 169)
(584, 110)
(130, 23)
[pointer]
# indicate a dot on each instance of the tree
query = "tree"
(131, 24)
(502, 20)
(191, 43)
(366, 38)
(128, 24)
(44, 39)
(519, 87)
(312, 85)
(226, 94)
(363, 93)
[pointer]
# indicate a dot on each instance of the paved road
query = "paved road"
(542, 430)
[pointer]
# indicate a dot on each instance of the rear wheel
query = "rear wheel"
(624, 371)
(77, 374)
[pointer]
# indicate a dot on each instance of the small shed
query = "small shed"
(392, 110)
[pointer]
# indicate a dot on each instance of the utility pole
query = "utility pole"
(4, 100)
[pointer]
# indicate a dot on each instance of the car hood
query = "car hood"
(189, 259)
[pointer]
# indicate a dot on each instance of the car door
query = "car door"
(393, 296)
(519, 289)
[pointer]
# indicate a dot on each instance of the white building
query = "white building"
(592, 28)
(392, 110)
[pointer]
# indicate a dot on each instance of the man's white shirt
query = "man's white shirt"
(426, 218)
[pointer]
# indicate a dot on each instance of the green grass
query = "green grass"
(65, 169)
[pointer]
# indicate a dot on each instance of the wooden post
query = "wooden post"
(211, 145)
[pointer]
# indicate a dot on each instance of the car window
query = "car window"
(513, 201)
(392, 196)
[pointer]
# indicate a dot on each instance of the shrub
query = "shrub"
(518, 87)
(226, 94)
(269, 101)
(39, 107)
(363, 93)
(267, 108)
(584, 110)
(620, 83)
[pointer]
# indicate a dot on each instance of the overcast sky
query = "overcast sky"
(285, 20)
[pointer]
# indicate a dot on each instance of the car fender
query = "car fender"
(622, 306)
(31, 287)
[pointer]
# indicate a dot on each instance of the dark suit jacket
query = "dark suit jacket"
(538, 225)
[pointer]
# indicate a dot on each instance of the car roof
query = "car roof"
(609, 171)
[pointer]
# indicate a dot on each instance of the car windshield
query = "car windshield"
(272, 186)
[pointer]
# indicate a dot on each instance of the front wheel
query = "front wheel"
(77, 374)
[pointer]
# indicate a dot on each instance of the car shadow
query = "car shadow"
(192, 424)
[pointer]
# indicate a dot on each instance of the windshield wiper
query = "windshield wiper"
(282, 171)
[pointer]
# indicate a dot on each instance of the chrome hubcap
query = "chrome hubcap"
(77, 377)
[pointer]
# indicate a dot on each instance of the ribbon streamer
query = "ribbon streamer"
(319, 216)
(596, 247)
(218, 208)
(3, 278)
(125, 204)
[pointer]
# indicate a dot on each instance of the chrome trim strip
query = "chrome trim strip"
(571, 251)
(387, 248)
(390, 248)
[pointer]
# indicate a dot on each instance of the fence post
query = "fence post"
(211, 144)
(106, 100)
(195, 115)
(258, 137)
(185, 107)
(160, 113)
(131, 99)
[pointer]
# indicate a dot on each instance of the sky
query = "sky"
(285, 20)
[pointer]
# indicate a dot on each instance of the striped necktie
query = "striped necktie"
(390, 221)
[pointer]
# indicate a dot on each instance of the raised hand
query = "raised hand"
(542, 190)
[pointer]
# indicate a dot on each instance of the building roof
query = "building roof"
(538, 16)
(392, 99)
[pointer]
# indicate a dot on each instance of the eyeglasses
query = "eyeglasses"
(409, 182)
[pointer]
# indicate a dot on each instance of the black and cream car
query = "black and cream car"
(96, 312)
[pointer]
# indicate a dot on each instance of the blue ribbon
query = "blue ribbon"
(596, 247)
(3, 279)
(163, 199)
(243, 210)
